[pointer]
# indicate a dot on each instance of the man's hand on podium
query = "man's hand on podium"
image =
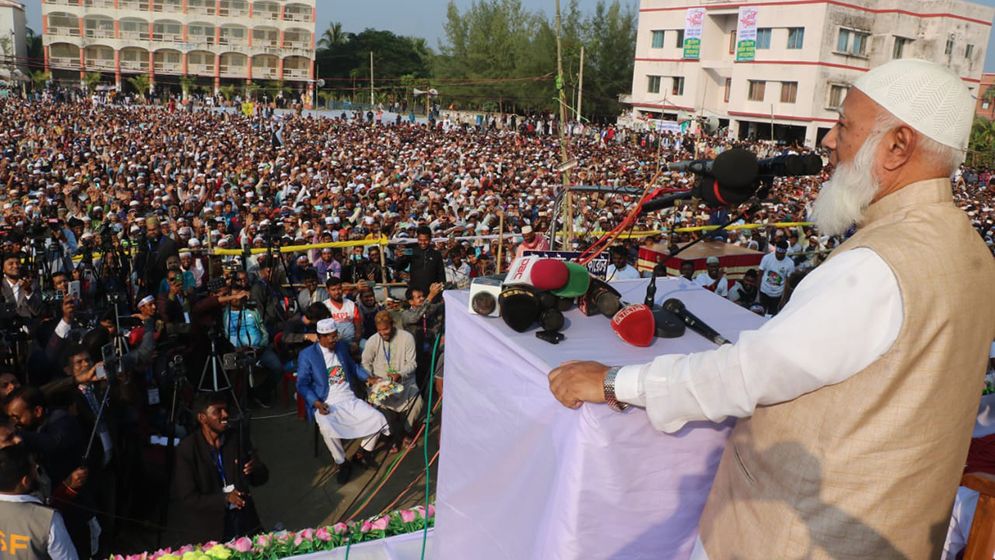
(577, 382)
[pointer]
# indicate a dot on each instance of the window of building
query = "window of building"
(757, 89)
(985, 105)
(837, 93)
(728, 90)
(899, 50)
(680, 39)
(732, 42)
(763, 37)
(968, 51)
(796, 37)
(789, 92)
(678, 86)
(654, 84)
(950, 46)
(658, 39)
(852, 42)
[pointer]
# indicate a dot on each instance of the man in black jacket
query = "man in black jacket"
(214, 469)
(152, 255)
(427, 265)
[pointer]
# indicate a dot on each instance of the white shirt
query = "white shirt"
(811, 343)
(721, 288)
(774, 274)
(627, 273)
(59, 544)
(338, 385)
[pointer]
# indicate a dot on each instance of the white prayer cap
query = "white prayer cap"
(526, 230)
(327, 326)
(146, 300)
(926, 96)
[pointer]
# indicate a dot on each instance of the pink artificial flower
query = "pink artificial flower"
(263, 540)
(340, 528)
(242, 544)
(135, 556)
(323, 535)
(185, 549)
(366, 527)
(408, 516)
(431, 510)
(307, 534)
(117, 557)
(381, 524)
(298, 538)
(209, 545)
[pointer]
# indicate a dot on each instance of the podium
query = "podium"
(522, 477)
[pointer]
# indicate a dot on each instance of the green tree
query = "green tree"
(610, 53)
(39, 78)
(252, 90)
(982, 142)
(346, 68)
(142, 84)
(187, 84)
(333, 37)
(227, 91)
(35, 49)
(989, 97)
(91, 80)
(326, 97)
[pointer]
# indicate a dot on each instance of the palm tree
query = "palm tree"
(326, 97)
(251, 90)
(186, 85)
(982, 145)
(142, 84)
(276, 87)
(90, 80)
(227, 91)
(39, 78)
(333, 36)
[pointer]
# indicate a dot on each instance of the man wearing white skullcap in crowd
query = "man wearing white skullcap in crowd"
(856, 401)
(326, 376)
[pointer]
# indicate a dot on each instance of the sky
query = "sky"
(420, 18)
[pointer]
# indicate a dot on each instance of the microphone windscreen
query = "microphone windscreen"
(736, 169)
(674, 305)
(542, 274)
(668, 325)
(551, 320)
(578, 282)
(634, 324)
(813, 164)
(601, 298)
(564, 304)
(483, 303)
(548, 300)
(608, 304)
(519, 307)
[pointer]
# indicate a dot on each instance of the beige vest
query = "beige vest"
(25, 527)
(868, 468)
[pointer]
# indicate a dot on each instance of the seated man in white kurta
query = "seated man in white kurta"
(326, 376)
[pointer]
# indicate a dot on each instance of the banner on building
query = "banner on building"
(692, 32)
(746, 34)
(661, 125)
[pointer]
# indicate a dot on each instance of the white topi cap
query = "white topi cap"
(327, 326)
(526, 230)
(146, 300)
(926, 96)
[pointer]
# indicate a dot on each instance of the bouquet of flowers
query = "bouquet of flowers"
(381, 391)
(283, 544)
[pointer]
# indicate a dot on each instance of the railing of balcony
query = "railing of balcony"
(100, 63)
(299, 73)
(140, 65)
(265, 72)
(99, 3)
(63, 31)
(64, 62)
(296, 16)
(98, 33)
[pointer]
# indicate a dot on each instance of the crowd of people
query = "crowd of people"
(117, 304)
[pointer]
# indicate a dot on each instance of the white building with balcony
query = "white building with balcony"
(807, 53)
(219, 40)
(13, 41)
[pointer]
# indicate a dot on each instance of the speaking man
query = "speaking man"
(858, 399)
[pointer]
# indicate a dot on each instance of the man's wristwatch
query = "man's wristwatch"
(609, 387)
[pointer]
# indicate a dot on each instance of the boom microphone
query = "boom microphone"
(733, 169)
(790, 165)
(677, 307)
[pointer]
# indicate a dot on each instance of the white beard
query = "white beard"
(844, 197)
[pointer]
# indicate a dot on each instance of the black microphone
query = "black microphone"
(676, 307)
(733, 169)
(790, 165)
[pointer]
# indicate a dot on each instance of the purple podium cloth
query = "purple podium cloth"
(521, 476)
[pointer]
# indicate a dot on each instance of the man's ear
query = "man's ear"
(899, 145)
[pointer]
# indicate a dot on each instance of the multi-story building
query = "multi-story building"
(224, 40)
(986, 99)
(13, 40)
(805, 55)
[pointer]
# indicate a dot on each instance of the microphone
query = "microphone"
(677, 307)
(635, 324)
(790, 165)
(728, 180)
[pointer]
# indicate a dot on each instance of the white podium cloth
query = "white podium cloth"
(521, 476)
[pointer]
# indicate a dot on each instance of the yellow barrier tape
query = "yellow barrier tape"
(297, 248)
(648, 233)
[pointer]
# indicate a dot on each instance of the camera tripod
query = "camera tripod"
(219, 380)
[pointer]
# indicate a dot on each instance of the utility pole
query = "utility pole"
(580, 87)
(568, 214)
(371, 79)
